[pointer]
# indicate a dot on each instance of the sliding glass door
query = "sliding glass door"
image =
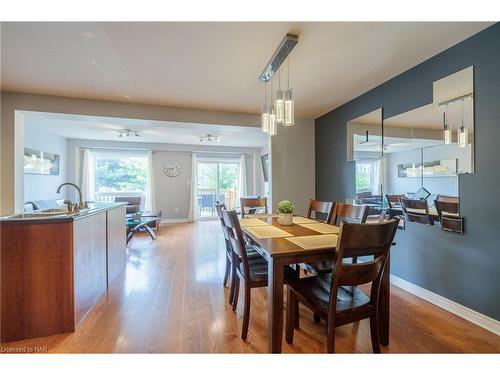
(217, 181)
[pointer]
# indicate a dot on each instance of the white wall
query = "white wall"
(36, 186)
(172, 193)
(293, 165)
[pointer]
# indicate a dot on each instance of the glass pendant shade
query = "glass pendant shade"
(447, 136)
(463, 137)
(289, 119)
(446, 130)
(273, 127)
(265, 119)
(280, 107)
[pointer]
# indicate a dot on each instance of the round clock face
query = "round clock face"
(171, 169)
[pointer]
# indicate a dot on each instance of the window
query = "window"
(364, 175)
(116, 174)
(370, 175)
(217, 181)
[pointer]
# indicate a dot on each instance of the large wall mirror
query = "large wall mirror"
(364, 136)
(415, 174)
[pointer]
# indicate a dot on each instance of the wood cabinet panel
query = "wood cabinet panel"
(89, 262)
(116, 243)
(36, 280)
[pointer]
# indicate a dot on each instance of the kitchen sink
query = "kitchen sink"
(54, 212)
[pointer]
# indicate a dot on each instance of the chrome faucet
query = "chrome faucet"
(81, 204)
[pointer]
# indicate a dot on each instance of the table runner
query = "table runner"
(268, 231)
(322, 241)
(322, 228)
(252, 222)
(303, 220)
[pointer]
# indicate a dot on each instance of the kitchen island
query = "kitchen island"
(55, 266)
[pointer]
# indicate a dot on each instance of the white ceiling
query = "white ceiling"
(216, 65)
(106, 129)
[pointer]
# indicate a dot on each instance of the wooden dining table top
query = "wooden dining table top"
(280, 246)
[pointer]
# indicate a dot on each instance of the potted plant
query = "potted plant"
(285, 212)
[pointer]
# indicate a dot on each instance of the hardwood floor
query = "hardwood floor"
(170, 299)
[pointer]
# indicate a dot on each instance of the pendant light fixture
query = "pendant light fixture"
(273, 127)
(280, 104)
(463, 133)
(446, 127)
(281, 108)
(289, 105)
(265, 112)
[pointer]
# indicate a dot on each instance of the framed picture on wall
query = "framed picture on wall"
(40, 162)
(438, 168)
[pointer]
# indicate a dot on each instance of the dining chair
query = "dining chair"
(448, 210)
(252, 203)
(393, 200)
(323, 208)
(342, 212)
(416, 210)
(350, 213)
(253, 272)
(394, 204)
(335, 297)
(447, 198)
(230, 267)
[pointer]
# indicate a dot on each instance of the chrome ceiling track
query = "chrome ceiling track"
(281, 53)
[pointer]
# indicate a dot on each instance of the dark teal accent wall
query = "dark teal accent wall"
(463, 268)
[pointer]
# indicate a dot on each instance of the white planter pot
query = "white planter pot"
(285, 219)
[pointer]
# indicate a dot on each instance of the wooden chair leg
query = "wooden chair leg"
(296, 304)
(246, 312)
(330, 339)
(296, 319)
(233, 284)
(291, 316)
(374, 333)
(317, 318)
(226, 272)
(236, 293)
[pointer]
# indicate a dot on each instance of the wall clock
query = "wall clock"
(171, 169)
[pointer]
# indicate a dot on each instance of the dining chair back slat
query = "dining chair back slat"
(349, 213)
(393, 199)
(236, 239)
(416, 210)
(324, 208)
(367, 240)
(253, 203)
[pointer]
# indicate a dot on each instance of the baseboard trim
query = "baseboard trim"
(174, 221)
(472, 316)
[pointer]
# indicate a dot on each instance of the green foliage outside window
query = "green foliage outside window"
(121, 173)
(207, 175)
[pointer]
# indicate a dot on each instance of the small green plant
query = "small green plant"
(285, 207)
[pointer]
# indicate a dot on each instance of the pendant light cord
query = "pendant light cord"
(462, 113)
(288, 72)
(279, 79)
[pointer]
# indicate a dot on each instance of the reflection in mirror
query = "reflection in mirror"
(426, 148)
(364, 136)
(364, 145)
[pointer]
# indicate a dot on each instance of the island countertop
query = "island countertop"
(54, 217)
(55, 266)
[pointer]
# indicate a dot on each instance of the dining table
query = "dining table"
(284, 245)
